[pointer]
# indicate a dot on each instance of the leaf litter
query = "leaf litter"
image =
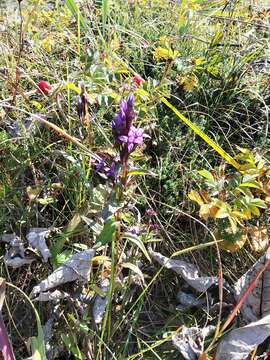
(188, 271)
(101, 302)
(238, 344)
(16, 252)
(255, 310)
(190, 341)
(37, 239)
(15, 255)
(77, 267)
(187, 300)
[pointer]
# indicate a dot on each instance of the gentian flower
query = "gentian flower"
(134, 137)
(110, 171)
(150, 212)
(44, 87)
(99, 165)
(127, 135)
(123, 120)
(134, 230)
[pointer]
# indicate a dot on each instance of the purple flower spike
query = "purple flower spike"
(154, 227)
(123, 120)
(126, 135)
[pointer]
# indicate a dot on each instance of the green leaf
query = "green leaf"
(134, 268)
(138, 172)
(92, 224)
(207, 175)
(37, 342)
(72, 346)
(138, 242)
(105, 13)
(99, 196)
(255, 210)
(72, 87)
(254, 184)
(222, 213)
(142, 94)
(259, 203)
(60, 259)
(107, 233)
(46, 201)
(75, 11)
(217, 38)
(37, 348)
(98, 290)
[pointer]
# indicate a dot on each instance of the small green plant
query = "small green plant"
(237, 199)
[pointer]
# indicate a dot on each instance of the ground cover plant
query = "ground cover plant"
(135, 179)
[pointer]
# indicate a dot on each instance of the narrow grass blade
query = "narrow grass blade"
(206, 138)
(37, 343)
(105, 13)
(75, 11)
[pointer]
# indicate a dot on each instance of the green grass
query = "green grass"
(105, 43)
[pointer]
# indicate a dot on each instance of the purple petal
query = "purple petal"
(122, 122)
(131, 138)
(132, 130)
(130, 147)
(138, 140)
(123, 107)
(100, 165)
(111, 171)
(123, 138)
(130, 100)
(139, 132)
